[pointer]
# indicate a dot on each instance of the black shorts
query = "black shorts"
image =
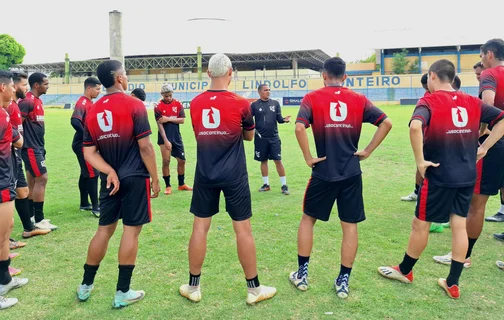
(34, 161)
(7, 195)
(205, 200)
(436, 204)
(132, 203)
(320, 196)
(177, 148)
(490, 172)
(87, 170)
(267, 149)
(20, 176)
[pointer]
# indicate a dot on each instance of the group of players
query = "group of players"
(112, 140)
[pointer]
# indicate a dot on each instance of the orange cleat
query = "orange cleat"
(13, 244)
(35, 232)
(167, 190)
(184, 187)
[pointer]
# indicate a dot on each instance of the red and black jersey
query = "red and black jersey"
(451, 121)
(7, 137)
(15, 116)
(218, 119)
(81, 108)
(32, 111)
(493, 79)
(114, 124)
(336, 115)
(174, 109)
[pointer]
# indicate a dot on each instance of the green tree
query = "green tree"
(11, 52)
(371, 58)
(413, 67)
(399, 62)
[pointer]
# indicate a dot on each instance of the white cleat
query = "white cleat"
(259, 294)
(410, 197)
(45, 224)
(14, 284)
(190, 292)
(7, 302)
(447, 259)
(300, 284)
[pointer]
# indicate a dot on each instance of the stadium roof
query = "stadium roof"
(307, 59)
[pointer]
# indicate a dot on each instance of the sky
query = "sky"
(49, 29)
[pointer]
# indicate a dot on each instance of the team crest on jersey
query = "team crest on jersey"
(84, 102)
(338, 111)
(174, 109)
(211, 118)
(272, 108)
(105, 120)
(459, 117)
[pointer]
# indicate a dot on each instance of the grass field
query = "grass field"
(53, 263)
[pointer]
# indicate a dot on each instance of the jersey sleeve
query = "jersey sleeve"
(157, 113)
(15, 135)
(247, 119)
(25, 107)
(181, 110)
(79, 112)
(305, 114)
(490, 114)
(421, 113)
(372, 114)
(279, 117)
(87, 138)
(141, 126)
(487, 82)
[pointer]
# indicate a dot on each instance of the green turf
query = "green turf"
(53, 263)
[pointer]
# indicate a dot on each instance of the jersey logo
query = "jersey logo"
(459, 117)
(338, 111)
(83, 102)
(105, 120)
(213, 98)
(211, 118)
(174, 109)
(272, 108)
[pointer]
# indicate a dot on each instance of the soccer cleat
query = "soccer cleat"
(86, 208)
(13, 255)
(190, 292)
(498, 217)
(499, 236)
(446, 225)
(285, 190)
(168, 191)
(452, 292)
(436, 228)
(410, 197)
(35, 232)
(342, 287)
(14, 272)
(123, 299)
(96, 212)
(500, 264)
(7, 302)
(394, 273)
(447, 259)
(265, 187)
(84, 291)
(300, 284)
(14, 284)
(259, 294)
(13, 244)
(45, 224)
(184, 187)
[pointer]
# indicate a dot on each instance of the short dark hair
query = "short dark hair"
(478, 64)
(496, 46)
(91, 82)
(17, 76)
(139, 93)
(335, 67)
(5, 76)
(424, 79)
(262, 85)
(457, 83)
(36, 77)
(106, 72)
(444, 69)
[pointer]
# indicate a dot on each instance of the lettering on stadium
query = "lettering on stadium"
(212, 133)
(276, 84)
(108, 136)
(458, 131)
(384, 81)
(339, 125)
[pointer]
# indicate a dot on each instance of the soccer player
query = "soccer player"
(116, 142)
(490, 169)
(336, 114)
(22, 203)
(267, 143)
(88, 179)
(139, 93)
(221, 121)
(478, 68)
(33, 152)
(8, 137)
(169, 115)
(444, 132)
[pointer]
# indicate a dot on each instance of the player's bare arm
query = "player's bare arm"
(495, 135)
(162, 132)
(149, 158)
(248, 135)
(94, 158)
(488, 98)
(381, 132)
(174, 120)
(19, 143)
(302, 139)
(416, 139)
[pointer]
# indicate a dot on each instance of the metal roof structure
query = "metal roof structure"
(307, 59)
